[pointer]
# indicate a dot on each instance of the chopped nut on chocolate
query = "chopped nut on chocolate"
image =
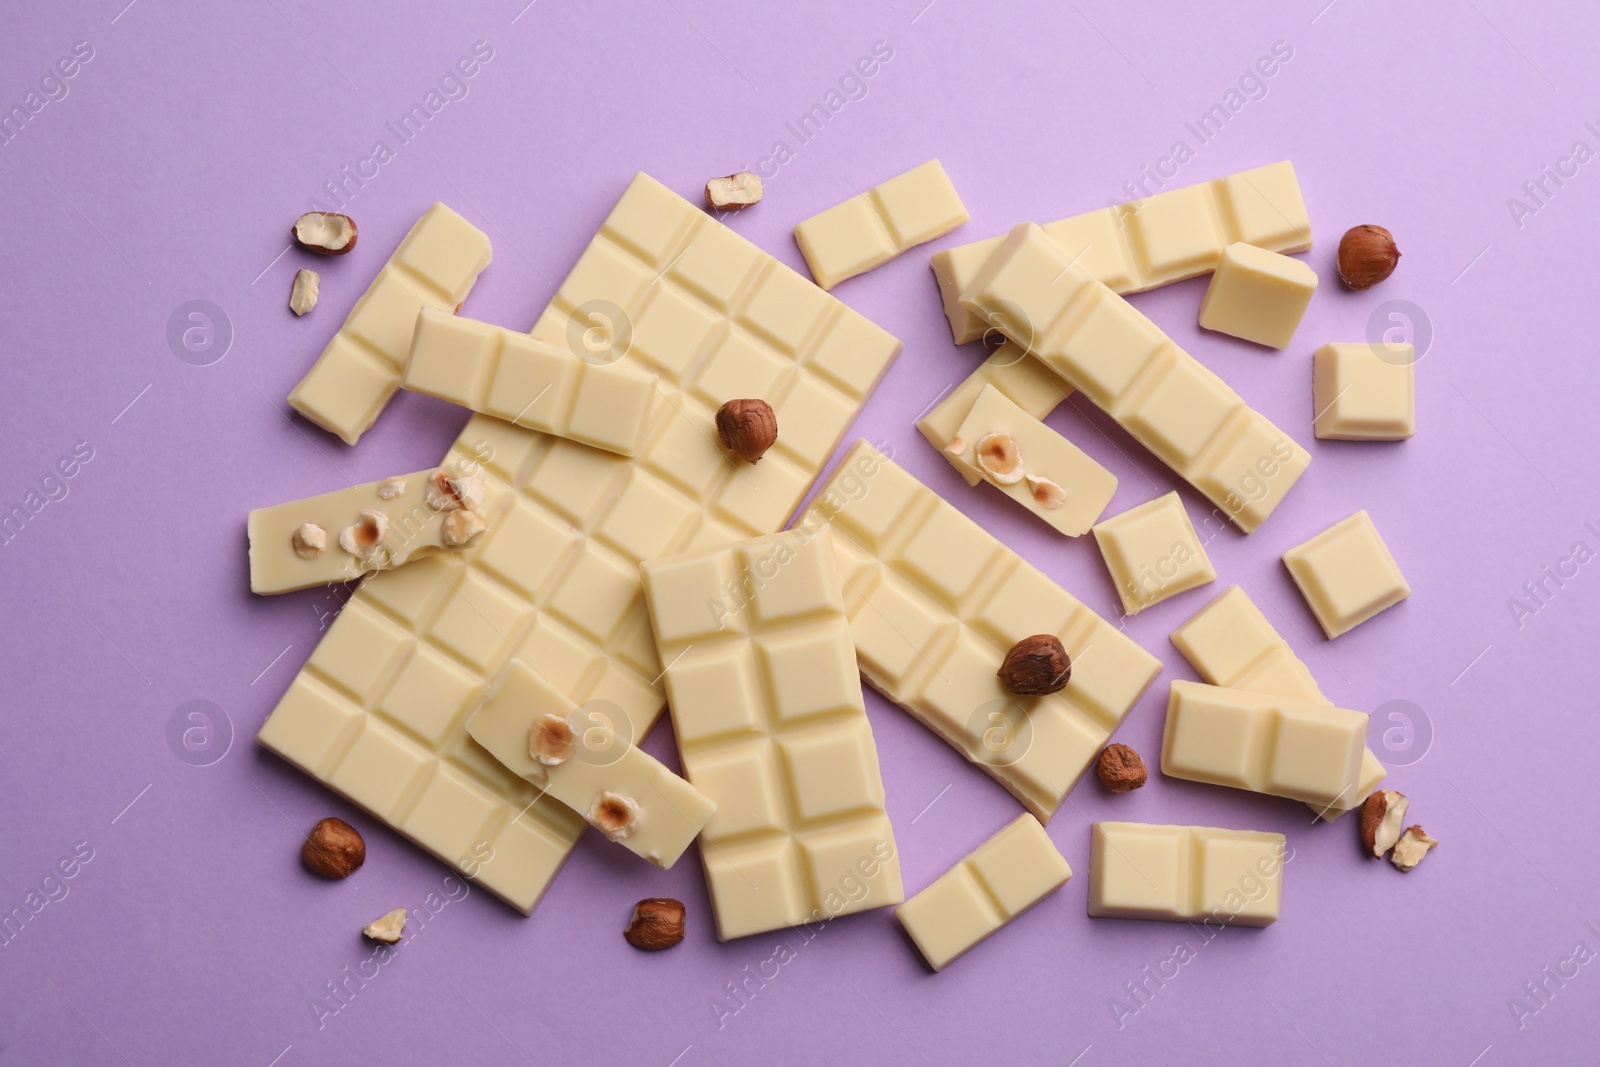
(461, 528)
(303, 293)
(325, 233)
(999, 457)
(390, 488)
(1120, 769)
(449, 489)
(1049, 495)
(734, 192)
(1367, 256)
(614, 815)
(1382, 816)
(747, 428)
(1412, 846)
(363, 538)
(309, 540)
(1036, 666)
(957, 445)
(657, 924)
(333, 849)
(551, 740)
(387, 927)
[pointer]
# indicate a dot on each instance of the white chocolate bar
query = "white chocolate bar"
(1230, 643)
(669, 812)
(1365, 392)
(1153, 242)
(1023, 380)
(436, 264)
(1184, 873)
(557, 580)
(1059, 482)
(873, 227)
(766, 703)
(1257, 295)
(1300, 749)
(540, 386)
(935, 602)
(1347, 574)
(1177, 408)
(1153, 553)
(410, 528)
(995, 883)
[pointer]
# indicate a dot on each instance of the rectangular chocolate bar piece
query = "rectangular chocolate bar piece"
(873, 227)
(935, 602)
(436, 265)
(766, 703)
(596, 400)
(1185, 873)
(1144, 244)
(1019, 377)
(1099, 343)
(995, 883)
(583, 757)
(1300, 749)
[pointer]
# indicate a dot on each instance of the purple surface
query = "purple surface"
(169, 171)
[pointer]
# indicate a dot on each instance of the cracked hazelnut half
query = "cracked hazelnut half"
(1383, 814)
(657, 924)
(551, 740)
(1412, 846)
(309, 540)
(999, 457)
(1047, 493)
(450, 489)
(325, 233)
(734, 192)
(1367, 256)
(1120, 769)
(1036, 666)
(387, 927)
(333, 849)
(461, 528)
(304, 291)
(363, 538)
(614, 815)
(390, 488)
(747, 428)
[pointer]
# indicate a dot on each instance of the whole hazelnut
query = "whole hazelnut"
(333, 849)
(1120, 769)
(1367, 256)
(657, 924)
(1036, 666)
(747, 428)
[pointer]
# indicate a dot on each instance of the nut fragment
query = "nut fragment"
(733, 193)
(390, 488)
(386, 927)
(1412, 846)
(450, 488)
(363, 538)
(1036, 666)
(657, 924)
(303, 293)
(333, 849)
(999, 457)
(1120, 769)
(1367, 256)
(309, 540)
(551, 740)
(1382, 816)
(461, 528)
(614, 815)
(957, 445)
(1049, 494)
(747, 428)
(325, 233)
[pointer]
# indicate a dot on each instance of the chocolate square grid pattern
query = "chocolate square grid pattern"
(556, 581)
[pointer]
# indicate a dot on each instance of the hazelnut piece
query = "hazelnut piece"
(1048, 494)
(449, 489)
(309, 540)
(1036, 666)
(325, 233)
(333, 849)
(551, 740)
(390, 488)
(461, 528)
(1120, 769)
(1367, 256)
(999, 457)
(1382, 815)
(957, 445)
(303, 293)
(1412, 846)
(733, 193)
(386, 927)
(363, 539)
(657, 924)
(747, 428)
(614, 815)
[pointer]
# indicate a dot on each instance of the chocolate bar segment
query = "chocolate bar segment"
(1186, 873)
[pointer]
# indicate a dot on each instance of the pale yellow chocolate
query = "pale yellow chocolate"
(1186, 873)
(1365, 392)
(1153, 553)
(1023, 380)
(1257, 295)
(873, 227)
(1347, 574)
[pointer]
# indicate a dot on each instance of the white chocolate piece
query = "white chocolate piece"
(1102, 345)
(766, 704)
(1185, 873)
(670, 810)
(1087, 486)
(1346, 574)
(995, 883)
(436, 264)
(936, 602)
(1257, 295)
(1363, 392)
(1230, 643)
(1019, 377)
(873, 227)
(1153, 553)
(377, 714)
(410, 530)
(1145, 244)
(1300, 749)
(530, 383)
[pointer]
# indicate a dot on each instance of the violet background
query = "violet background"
(170, 173)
